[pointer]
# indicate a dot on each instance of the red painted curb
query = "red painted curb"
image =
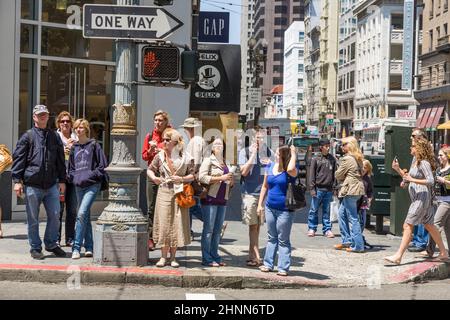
(90, 269)
(415, 271)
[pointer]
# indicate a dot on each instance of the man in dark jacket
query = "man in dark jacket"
(321, 183)
(39, 167)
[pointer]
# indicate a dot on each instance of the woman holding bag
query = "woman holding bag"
(279, 220)
(215, 173)
(170, 170)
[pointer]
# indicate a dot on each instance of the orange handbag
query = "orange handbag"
(186, 199)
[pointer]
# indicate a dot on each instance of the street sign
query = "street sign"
(254, 98)
(128, 22)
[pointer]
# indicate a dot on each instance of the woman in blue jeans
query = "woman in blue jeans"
(349, 175)
(279, 219)
(216, 174)
(87, 164)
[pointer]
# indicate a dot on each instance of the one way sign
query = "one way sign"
(128, 22)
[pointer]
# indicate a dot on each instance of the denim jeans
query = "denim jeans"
(421, 236)
(213, 218)
(322, 198)
(71, 213)
(362, 214)
(196, 211)
(83, 227)
(50, 198)
(279, 225)
(348, 214)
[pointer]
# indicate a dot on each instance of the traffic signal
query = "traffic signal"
(189, 66)
(160, 63)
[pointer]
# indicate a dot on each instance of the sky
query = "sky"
(234, 8)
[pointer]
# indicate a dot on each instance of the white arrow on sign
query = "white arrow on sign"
(136, 22)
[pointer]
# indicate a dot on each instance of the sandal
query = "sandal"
(253, 263)
(264, 269)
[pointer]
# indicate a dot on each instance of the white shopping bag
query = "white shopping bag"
(334, 209)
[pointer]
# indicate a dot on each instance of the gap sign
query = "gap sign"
(214, 27)
(128, 22)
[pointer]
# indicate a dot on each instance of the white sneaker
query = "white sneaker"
(174, 264)
(75, 255)
(88, 254)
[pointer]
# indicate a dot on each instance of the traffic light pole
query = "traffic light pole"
(120, 236)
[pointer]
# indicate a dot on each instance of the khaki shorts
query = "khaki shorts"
(249, 210)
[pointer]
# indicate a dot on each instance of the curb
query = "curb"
(197, 279)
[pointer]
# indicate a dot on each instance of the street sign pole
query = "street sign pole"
(121, 232)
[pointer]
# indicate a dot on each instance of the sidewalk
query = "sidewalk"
(314, 263)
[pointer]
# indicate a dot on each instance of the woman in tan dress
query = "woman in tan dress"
(171, 228)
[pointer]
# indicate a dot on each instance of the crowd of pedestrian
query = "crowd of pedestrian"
(64, 170)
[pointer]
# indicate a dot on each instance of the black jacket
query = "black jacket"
(39, 162)
(321, 172)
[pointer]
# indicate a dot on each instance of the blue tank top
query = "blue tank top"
(278, 184)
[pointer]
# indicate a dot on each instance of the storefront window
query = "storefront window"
(26, 93)
(28, 39)
(64, 11)
(29, 9)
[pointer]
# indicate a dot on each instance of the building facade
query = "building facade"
(247, 25)
(434, 91)
(270, 20)
(322, 61)
(347, 67)
(46, 60)
(380, 64)
(294, 70)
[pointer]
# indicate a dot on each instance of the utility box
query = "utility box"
(398, 143)
(381, 191)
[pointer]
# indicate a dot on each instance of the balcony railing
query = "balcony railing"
(397, 36)
(396, 66)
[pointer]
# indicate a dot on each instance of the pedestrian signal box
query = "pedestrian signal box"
(160, 63)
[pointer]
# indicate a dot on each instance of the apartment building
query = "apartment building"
(384, 71)
(321, 59)
(294, 69)
(434, 90)
(347, 67)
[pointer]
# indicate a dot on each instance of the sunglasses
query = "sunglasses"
(65, 121)
(167, 139)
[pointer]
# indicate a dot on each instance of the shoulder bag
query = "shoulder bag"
(5, 158)
(295, 195)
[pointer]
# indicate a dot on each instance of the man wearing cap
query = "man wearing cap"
(196, 150)
(39, 174)
(321, 183)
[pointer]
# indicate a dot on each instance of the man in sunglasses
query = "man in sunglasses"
(39, 175)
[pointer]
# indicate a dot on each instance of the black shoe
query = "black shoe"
(57, 251)
(367, 246)
(415, 249)
(36, 254)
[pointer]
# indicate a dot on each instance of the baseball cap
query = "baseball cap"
(324, 142)
(40, 108)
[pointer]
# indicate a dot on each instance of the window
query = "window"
(277, 81)
(280, 9)
(277, 33)
(431, 40)
(445, 29)
(280, 21)
(301, 53)
(300, 96)
(277, 57)
(301, 37)
(300, 83)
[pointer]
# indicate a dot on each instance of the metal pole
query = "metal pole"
(121, 230)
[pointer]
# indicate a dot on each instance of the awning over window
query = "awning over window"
(429, 117)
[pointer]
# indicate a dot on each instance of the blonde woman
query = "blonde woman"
(169, 170)
(349, 175)
(87, 164)
(366, 200)
(419, 181)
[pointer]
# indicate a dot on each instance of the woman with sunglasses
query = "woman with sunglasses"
(442, 187)
(153, 144)
(349, 176)
(419, 181)
(64, 123)
(169, 170)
